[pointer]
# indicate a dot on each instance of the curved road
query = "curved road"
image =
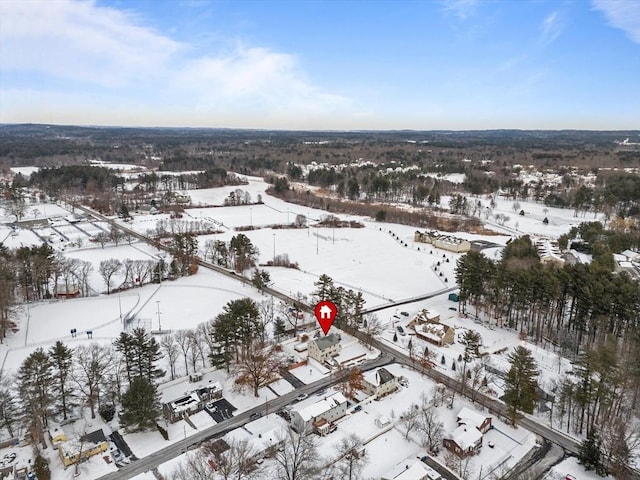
(389, 354)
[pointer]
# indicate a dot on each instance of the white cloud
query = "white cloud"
(80, 41)
(94, 46)
(622, 14)
(265, 78)
(462, 9)
(551, 28)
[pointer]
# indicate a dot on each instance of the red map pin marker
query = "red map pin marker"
(325, 312)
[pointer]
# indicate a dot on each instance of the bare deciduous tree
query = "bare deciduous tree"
(195, 467)
(170, 349)
(93, 364)
(352, 457)
(430, 425)
(183, 339)
(410, 420)
(107, 269)
(298, 459)
(258, 367)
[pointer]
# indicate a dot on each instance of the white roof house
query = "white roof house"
(466, 437)
(328, 409)
(316, 409)
(472, 418)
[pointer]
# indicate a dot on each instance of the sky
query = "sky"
(322, 65)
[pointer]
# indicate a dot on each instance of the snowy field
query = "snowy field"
(373, 260)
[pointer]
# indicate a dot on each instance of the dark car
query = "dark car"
(255, 416)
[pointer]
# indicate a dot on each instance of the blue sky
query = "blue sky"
(339, 65)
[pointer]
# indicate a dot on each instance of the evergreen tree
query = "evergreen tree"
(35, 386)
(279, 328)
(521, 383)
(124, 346)
(244, 252)
(140, 351)
(590, 453)
(323, 285)
(146, 352)
(62, 360)
(472, 342)
(140, 405)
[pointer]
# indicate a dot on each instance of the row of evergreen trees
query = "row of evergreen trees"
(575, 306)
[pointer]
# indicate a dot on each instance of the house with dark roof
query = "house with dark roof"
(323, 349)
(380, 382)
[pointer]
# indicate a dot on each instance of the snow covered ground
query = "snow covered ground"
(381, 260)
(570, 466)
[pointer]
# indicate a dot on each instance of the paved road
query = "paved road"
(410, 300)
(494, 406)
(171, 451)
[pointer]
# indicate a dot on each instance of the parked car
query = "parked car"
(301, 397)
(255, 416)
(406, 314)
(401, 330)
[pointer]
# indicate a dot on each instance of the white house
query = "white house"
(323, 349)
(380, 382)
(328, 409)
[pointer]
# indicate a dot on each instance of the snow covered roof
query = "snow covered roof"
(185, 403)
(471, 417)
(466, 437)
(379, 376)
(316, 409)
(327, 342)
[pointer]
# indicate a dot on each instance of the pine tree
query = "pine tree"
(124, 345)
(35, 386)
(472, 342)
(324, 285)
(590, 453)
(62, 360)
(140, 405)
(279, 328)
(521, 384)
(146, 351)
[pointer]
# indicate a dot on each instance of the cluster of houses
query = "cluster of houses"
(321, 415)
(445, 242)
